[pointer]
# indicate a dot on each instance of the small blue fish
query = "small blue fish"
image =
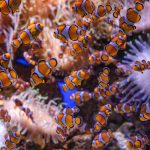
(23, 62)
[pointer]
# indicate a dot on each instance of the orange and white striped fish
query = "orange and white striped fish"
(7, 78)
(99, 57)
(12, 140)
(141, 65)
(4, 60)
(101, 11)
(83, 7)
(145, 111)
(124, 108)
(117, 42)
(81, 97)
(41, 70)
(28, 35)
(137, 142)
(9, 6)
(75, 79)
(103, 79)
(28, 58)
(68, 121)
(61, 132)
(102, 139)
(102, 117)
(68, 32)
(105, 92)
(133, 16)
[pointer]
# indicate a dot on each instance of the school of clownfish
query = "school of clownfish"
(76, 37)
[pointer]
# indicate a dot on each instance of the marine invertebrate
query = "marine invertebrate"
(37, 129)
(136, 85)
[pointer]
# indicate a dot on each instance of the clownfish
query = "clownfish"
(4, 60)
(117, 42)
(26, 110)
(2, 37)
(4, 115)
(124, 108)
(101, 11)
(123, 71)
(28, 58)
(9, 6)
(7, 78)
(68, 32)
(28, 35)
(145, 112)
(116, 11)
(21, 85)
(41, 70)
(76, 48)
(83, 7)
(81, 97)
(61, 132)
(103, 78)
(12, 140)
(84, 23)
(141, 65)
(71, 111)
(137, 142)
(75, 79)
(68, 121)
(102, 139)
(105, 92)
(99, 57)
(102, 117)
(133, 16)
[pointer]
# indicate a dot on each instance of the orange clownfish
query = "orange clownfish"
(83, 7)
(137, 142)
(141, 65)
(71, 111)
(116, 11)
(145, 112)
(68, 121)
(12, 140)
(41, 70)
(102, 117)
(101, 11)
(106, 92)
(28, 58)
(102, 139)
(21, 85)
(68, 32)
(99, 57)
(9, 6)
(7, 78)
(61, 132)
(75, 79)
(4, 115)
(4, 60)
(83, 23)
(124, 108)
(28, 35)
(132, 16)
(117, 42)
(81, 97)
(103, 78)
